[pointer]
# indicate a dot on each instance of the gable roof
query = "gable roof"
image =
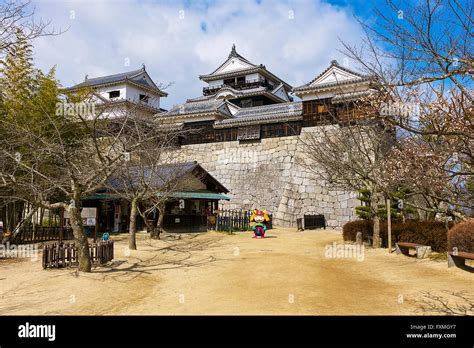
(233, 54)
(139, 77)
(245, 67)
(335, 74)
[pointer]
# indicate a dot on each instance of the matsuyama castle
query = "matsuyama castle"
(244, 107)
(242, 100)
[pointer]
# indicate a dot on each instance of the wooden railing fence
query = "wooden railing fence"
(58, 255)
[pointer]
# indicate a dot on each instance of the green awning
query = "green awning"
(100, 196)
(199, 195)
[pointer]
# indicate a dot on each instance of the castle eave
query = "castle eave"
(332, 86)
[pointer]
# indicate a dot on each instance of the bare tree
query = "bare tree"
(170, 178)
(16, 15)
(145, 181)
(56, 160)
(347, 149)
(422, 53)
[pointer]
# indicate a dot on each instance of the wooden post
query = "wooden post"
(96, 227)
(389, 226)
(61, 225)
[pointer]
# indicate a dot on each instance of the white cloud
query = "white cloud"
(294, 39)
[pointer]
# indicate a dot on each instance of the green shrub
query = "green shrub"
(461, 236)
(432, 233)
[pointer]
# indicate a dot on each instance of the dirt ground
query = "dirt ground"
(217, 273)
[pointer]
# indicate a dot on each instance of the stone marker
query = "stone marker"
(423, 251)
(359, 238)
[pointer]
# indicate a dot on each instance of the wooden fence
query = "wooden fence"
(41, 234)
(58, 255)
(236, 220)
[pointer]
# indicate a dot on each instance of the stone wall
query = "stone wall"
(268, 175)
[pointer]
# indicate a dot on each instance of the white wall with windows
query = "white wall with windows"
(131, 93)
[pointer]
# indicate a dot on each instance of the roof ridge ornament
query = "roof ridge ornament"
(233, 52)
(334, 62)
(143, 66)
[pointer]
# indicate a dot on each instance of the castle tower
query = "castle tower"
(244, 83)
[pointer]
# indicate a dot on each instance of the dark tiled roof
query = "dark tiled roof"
(163, 175)
(131, 76)
(204, 106)
(283, 112)
(158, 177)
(112, 78)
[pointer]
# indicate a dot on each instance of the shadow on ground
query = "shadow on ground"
(179, 253)
(449, 303)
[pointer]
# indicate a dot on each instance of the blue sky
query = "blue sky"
(179, 40)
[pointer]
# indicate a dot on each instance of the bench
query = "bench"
(422, 251)
(459, 258)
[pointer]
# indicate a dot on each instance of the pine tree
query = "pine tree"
(364, 211)
(398, 213)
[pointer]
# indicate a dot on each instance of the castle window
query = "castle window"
(322, 108)
(144, 98)
(229, 82)
(249, 133)
(317, 112)
(280, 130)
(114, 94)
